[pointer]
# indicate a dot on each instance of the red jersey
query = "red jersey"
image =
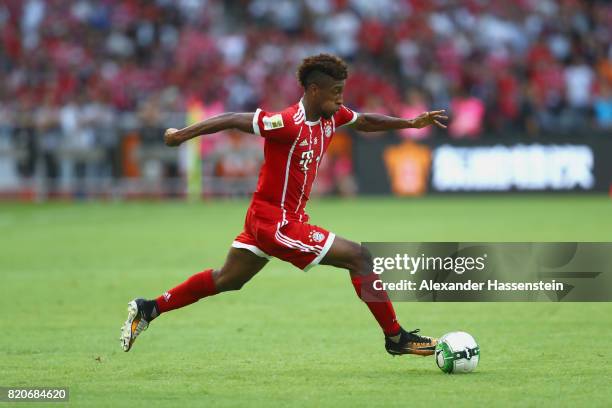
(293, 150)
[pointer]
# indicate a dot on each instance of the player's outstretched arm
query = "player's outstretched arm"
(374, 122)
(224, 121)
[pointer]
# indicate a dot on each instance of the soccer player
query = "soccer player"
(276, 224)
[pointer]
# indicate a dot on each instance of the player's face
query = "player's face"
(330, 98)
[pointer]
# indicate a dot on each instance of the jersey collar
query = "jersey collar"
(301, 106)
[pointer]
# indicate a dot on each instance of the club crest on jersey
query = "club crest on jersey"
(328, 130)
(317, 236)
(273, 122)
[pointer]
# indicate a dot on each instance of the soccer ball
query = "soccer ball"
(457, 352)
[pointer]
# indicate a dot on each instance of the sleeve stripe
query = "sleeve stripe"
(255, 120)
(353, 119)
(355, 115)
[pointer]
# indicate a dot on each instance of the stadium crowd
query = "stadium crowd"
(76, 74)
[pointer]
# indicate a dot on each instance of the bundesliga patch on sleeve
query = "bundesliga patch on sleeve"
(273, 122)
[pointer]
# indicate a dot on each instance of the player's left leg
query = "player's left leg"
(358, 260)
(306, 245)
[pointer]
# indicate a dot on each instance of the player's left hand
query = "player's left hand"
(430, 118)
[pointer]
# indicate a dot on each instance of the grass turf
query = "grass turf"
(287, 338)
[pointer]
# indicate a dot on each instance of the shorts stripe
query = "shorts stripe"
(252, 248)
(314, 248)
(283, 239)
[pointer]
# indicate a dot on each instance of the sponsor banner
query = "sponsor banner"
(522, 167)
(491, 272)
(579, 164)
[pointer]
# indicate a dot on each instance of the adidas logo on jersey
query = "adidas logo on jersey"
(304, 143)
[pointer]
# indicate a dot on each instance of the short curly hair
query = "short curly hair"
(315, 68)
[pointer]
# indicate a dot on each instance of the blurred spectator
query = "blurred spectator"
(47, 122)
(603, 106)
(24, 136)
(235, 163)
(579, 79)
(414, 106)
(335, 175)
(579, 84)
(468, 114)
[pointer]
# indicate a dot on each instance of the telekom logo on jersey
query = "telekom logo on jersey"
(306, 159)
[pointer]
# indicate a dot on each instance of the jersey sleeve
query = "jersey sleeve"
(345, 116)
(273, 125)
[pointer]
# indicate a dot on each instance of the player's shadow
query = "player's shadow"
(423, 372)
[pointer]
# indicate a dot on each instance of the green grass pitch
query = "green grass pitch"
(288, 338)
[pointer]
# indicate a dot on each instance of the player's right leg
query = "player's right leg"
(240, 266)
(358, 260)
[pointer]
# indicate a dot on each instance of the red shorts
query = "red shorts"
(302, 244)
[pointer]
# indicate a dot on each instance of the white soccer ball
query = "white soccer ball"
(457, 352)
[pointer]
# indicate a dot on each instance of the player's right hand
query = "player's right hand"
(170, 138)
